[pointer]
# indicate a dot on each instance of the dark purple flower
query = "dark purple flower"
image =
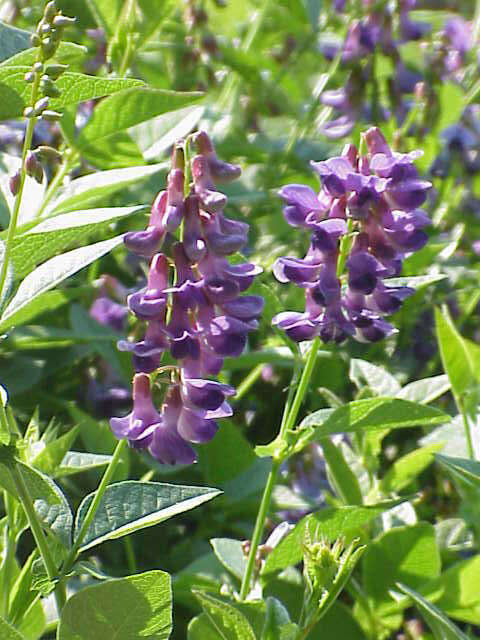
(139, 425)
(109, 313)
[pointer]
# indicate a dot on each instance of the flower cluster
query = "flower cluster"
(199, 317)
(377, 196)
(366, 35)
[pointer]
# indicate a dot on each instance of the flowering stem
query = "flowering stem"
(37, 531)
(18, 199)
(288, 421)
(92, 509)
(249, 381)
(466, 425)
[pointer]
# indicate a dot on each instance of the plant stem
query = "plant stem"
(92, 509)
(466, 425)
(289, 417)
(249, 381)
(37, 531)
(12, 226)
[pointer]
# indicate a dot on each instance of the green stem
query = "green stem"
(466, 426)
(92, 509)
(476, 23)
(37, 532)
(259, 526)
(249, 381)
(12, 226)
(288, 420)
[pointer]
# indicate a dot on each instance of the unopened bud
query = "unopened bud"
(14, 183)
(51, 116)
(29, 112)
(420, 91)
(50, 11)
(38, 67)
(38, 175)
(54, 71)
(49, 47)
(48, 88)
(63, 21)
(45, 28)
(35, 40)
(29, 76)
(48, 153)
(31, 164)
(41, 105)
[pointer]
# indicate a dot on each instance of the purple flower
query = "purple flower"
(109, 313)
(139, 425)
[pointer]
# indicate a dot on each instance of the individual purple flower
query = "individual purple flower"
(138, 426)
(377, 196)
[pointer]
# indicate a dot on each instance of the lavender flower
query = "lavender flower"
(200, 318)
(378, 196)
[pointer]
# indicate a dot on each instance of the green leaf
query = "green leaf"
(228, 452)
(82, 191)
(57, 234)
(46, 302)
(415, 282)
(402, 554)
(462, 468)
(77, 461)
(50, 458)
(75, 87)
(50, 504)
(7, 632)
(54, 271)
(155, 136)
(342, 477)
(67, 53)
(226, 619)
(426, 390)
(106, 13)
(231, 555)
(12, 41)
(377, 378)
(329, 523)
(442, 627)
(126, 507)
(451, 103)
(407, 468)
(128, 108)
(278, 625)
(131, 608)
(456, 591)
(376, 413)
(459, 359)
(201, 628)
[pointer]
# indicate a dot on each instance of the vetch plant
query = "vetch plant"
(137, 339)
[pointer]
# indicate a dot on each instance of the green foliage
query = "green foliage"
(126, 507)
(130, 608)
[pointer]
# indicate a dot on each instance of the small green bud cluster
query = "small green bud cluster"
(50, 30)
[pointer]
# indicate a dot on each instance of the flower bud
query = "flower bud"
(29, 77)
(29, 112)
(51, 116)
(48, 88)
(63, 21)
(38, 67)
(41, 105)
(14, 183)
(48, 153)
(45, 28)
(54, 71)
(35, 40)
(31, 164)
(50, 11)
